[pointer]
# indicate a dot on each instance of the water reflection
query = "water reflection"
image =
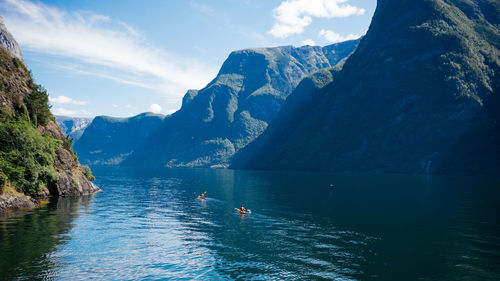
(28, 238)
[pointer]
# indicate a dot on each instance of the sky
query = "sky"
(121, 58)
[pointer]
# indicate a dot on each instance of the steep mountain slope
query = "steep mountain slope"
(109, 140)
(304, 101)
(235, 108)
(8, 41)
(477, 150)
(73, 126)
(35, 157)
(422, 75)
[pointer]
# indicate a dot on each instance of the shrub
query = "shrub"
(37, 103)
(27, 157)
(18, 63)
(88, 173)
(68, 144)
(3, 181)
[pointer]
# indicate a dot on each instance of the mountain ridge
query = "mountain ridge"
(109, 140)
(234, 108)
(438, 61)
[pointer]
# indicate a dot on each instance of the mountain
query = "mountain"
(236, 107)
(73, 126)
(36, 160)
(419, 95)
(8, 42)
(109, 140)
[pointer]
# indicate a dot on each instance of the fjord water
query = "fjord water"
(148, 225)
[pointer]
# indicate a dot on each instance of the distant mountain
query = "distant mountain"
(236, 107)
(419, 95)
(73, 126)
(109, 140)
(8, 41)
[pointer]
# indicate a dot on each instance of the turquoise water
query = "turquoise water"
(148, 225)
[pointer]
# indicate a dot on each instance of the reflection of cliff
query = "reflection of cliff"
(28, 237)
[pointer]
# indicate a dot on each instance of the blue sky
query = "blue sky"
(121, 58)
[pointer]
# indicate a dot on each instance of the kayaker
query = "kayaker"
(242, 209)
(202, 196)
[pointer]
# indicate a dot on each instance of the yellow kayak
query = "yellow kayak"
(242, 212)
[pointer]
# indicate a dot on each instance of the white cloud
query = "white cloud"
(292, 16)
(114, 105)
(69, 112)
(333, 37)
(63, 111)
(155, 108)
(65, 100)
(309, 42)
(98, 40)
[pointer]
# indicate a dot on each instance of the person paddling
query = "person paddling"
(202, 196)
(242, 209)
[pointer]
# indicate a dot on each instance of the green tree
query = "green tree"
(27, 157)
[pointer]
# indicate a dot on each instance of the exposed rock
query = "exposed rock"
(71, 180)
(8, 41)
(16, 201)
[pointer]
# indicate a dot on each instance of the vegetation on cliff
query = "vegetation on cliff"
(26, 156)
(29, 151)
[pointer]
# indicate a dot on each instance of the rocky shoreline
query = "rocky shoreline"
(10, 202)
(19, 201)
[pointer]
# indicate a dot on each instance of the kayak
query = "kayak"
(202, 196)
(243, 212)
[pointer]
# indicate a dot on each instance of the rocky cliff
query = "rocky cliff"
(8, 42)
(236, 107)
(36, 160)
(421, 86)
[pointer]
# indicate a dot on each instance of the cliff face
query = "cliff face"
(71, 180)
(108, 140)
(425, 74)
(8, 42)
(304, 101)
(35, 158)
(236, 107)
